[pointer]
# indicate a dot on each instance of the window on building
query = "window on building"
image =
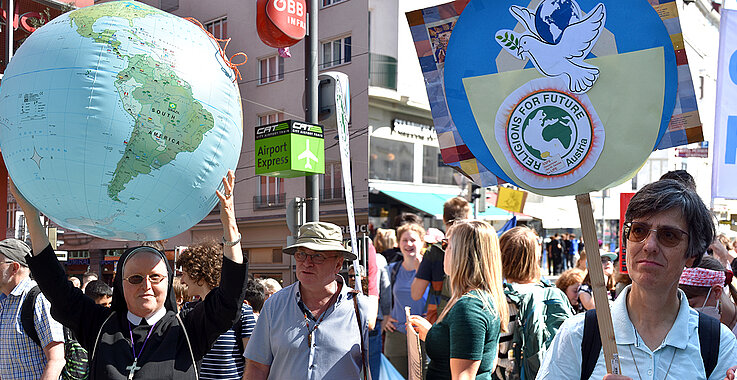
(433, 168)
(270, 190)
(335, 52)
(20, 226)
(270, 118)
(270, 69)
(218, 28)
(326, 3)
(391, 160)
(332, 182)
(83, 254)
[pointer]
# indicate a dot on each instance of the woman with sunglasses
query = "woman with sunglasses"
(141, 335)
(667, 227)
(586, 293)
(463, 343)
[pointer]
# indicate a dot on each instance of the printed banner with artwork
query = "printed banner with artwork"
(534, 92)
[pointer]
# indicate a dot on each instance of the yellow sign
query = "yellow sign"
(511, 200)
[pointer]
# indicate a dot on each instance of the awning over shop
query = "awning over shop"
(561, 214)
(432, 203)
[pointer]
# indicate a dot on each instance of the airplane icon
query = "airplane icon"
(307, 155)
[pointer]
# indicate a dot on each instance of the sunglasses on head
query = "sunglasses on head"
(137, 278)
(637, 232)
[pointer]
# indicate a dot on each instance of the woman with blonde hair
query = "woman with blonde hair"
(463, 343)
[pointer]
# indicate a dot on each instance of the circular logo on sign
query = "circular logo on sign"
(551, 137)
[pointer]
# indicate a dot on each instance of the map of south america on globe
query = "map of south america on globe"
(548, 133)
(119, 120)
(167, 118)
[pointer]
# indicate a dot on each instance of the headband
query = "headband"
(702, 277)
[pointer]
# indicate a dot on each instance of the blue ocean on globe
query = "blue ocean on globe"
(119, 120)
(552, 17)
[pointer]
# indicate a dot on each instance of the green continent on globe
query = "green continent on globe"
(557, 124)
(86, 17)
(168, 120)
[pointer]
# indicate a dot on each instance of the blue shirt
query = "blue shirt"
(679, 351)
(402, 292)
(280, 338)
(20, 357)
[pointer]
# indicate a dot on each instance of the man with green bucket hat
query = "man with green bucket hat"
(315, 328)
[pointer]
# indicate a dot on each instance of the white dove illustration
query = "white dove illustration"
(566, 57)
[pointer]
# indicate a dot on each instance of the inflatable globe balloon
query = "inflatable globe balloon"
(119, 120)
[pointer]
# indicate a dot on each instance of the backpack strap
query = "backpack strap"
(709, 341)
(27, 311)
(590, 344)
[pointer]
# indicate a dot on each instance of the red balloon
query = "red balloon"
(269, 32)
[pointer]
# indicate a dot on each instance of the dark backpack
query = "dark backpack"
(76, 367)
(591, 343)
(539, 316)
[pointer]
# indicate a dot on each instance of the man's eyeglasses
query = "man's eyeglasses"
(317, 258)
(137, 278)
(667, 236)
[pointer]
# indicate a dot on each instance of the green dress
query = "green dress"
(468, 331)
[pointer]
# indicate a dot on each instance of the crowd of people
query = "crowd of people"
(476, 298)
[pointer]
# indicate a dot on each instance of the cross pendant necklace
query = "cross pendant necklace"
(133, 367)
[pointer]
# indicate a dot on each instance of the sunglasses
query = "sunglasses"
(444, 243)
(317, 258)
(137, 278)
(637, 232)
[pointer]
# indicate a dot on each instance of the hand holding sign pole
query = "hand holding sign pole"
(540, 103)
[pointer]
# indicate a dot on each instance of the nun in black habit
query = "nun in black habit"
(141, 336)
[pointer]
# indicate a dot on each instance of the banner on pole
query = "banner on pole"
(342, 107)
(724, 182)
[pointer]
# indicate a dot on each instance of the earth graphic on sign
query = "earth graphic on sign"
(552, 17)
(547, 132)
(119, 120)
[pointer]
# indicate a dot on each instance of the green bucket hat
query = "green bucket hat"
(320, 236)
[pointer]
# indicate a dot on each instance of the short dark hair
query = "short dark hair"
(255, 294)
(454, 209)
(669, 194)
(407, 218)
(98, 288)
(681, 176)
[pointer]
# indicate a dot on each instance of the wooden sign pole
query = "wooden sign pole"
(593, 262)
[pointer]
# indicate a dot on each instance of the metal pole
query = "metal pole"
(3, 171)
(312, 183)
(10, 11)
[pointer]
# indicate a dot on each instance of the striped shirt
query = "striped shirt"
(225, 359)
(20, 357)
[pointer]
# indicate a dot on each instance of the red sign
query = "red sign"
(624, 201)
(696, 152)
(281, 23)
(290, 16)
